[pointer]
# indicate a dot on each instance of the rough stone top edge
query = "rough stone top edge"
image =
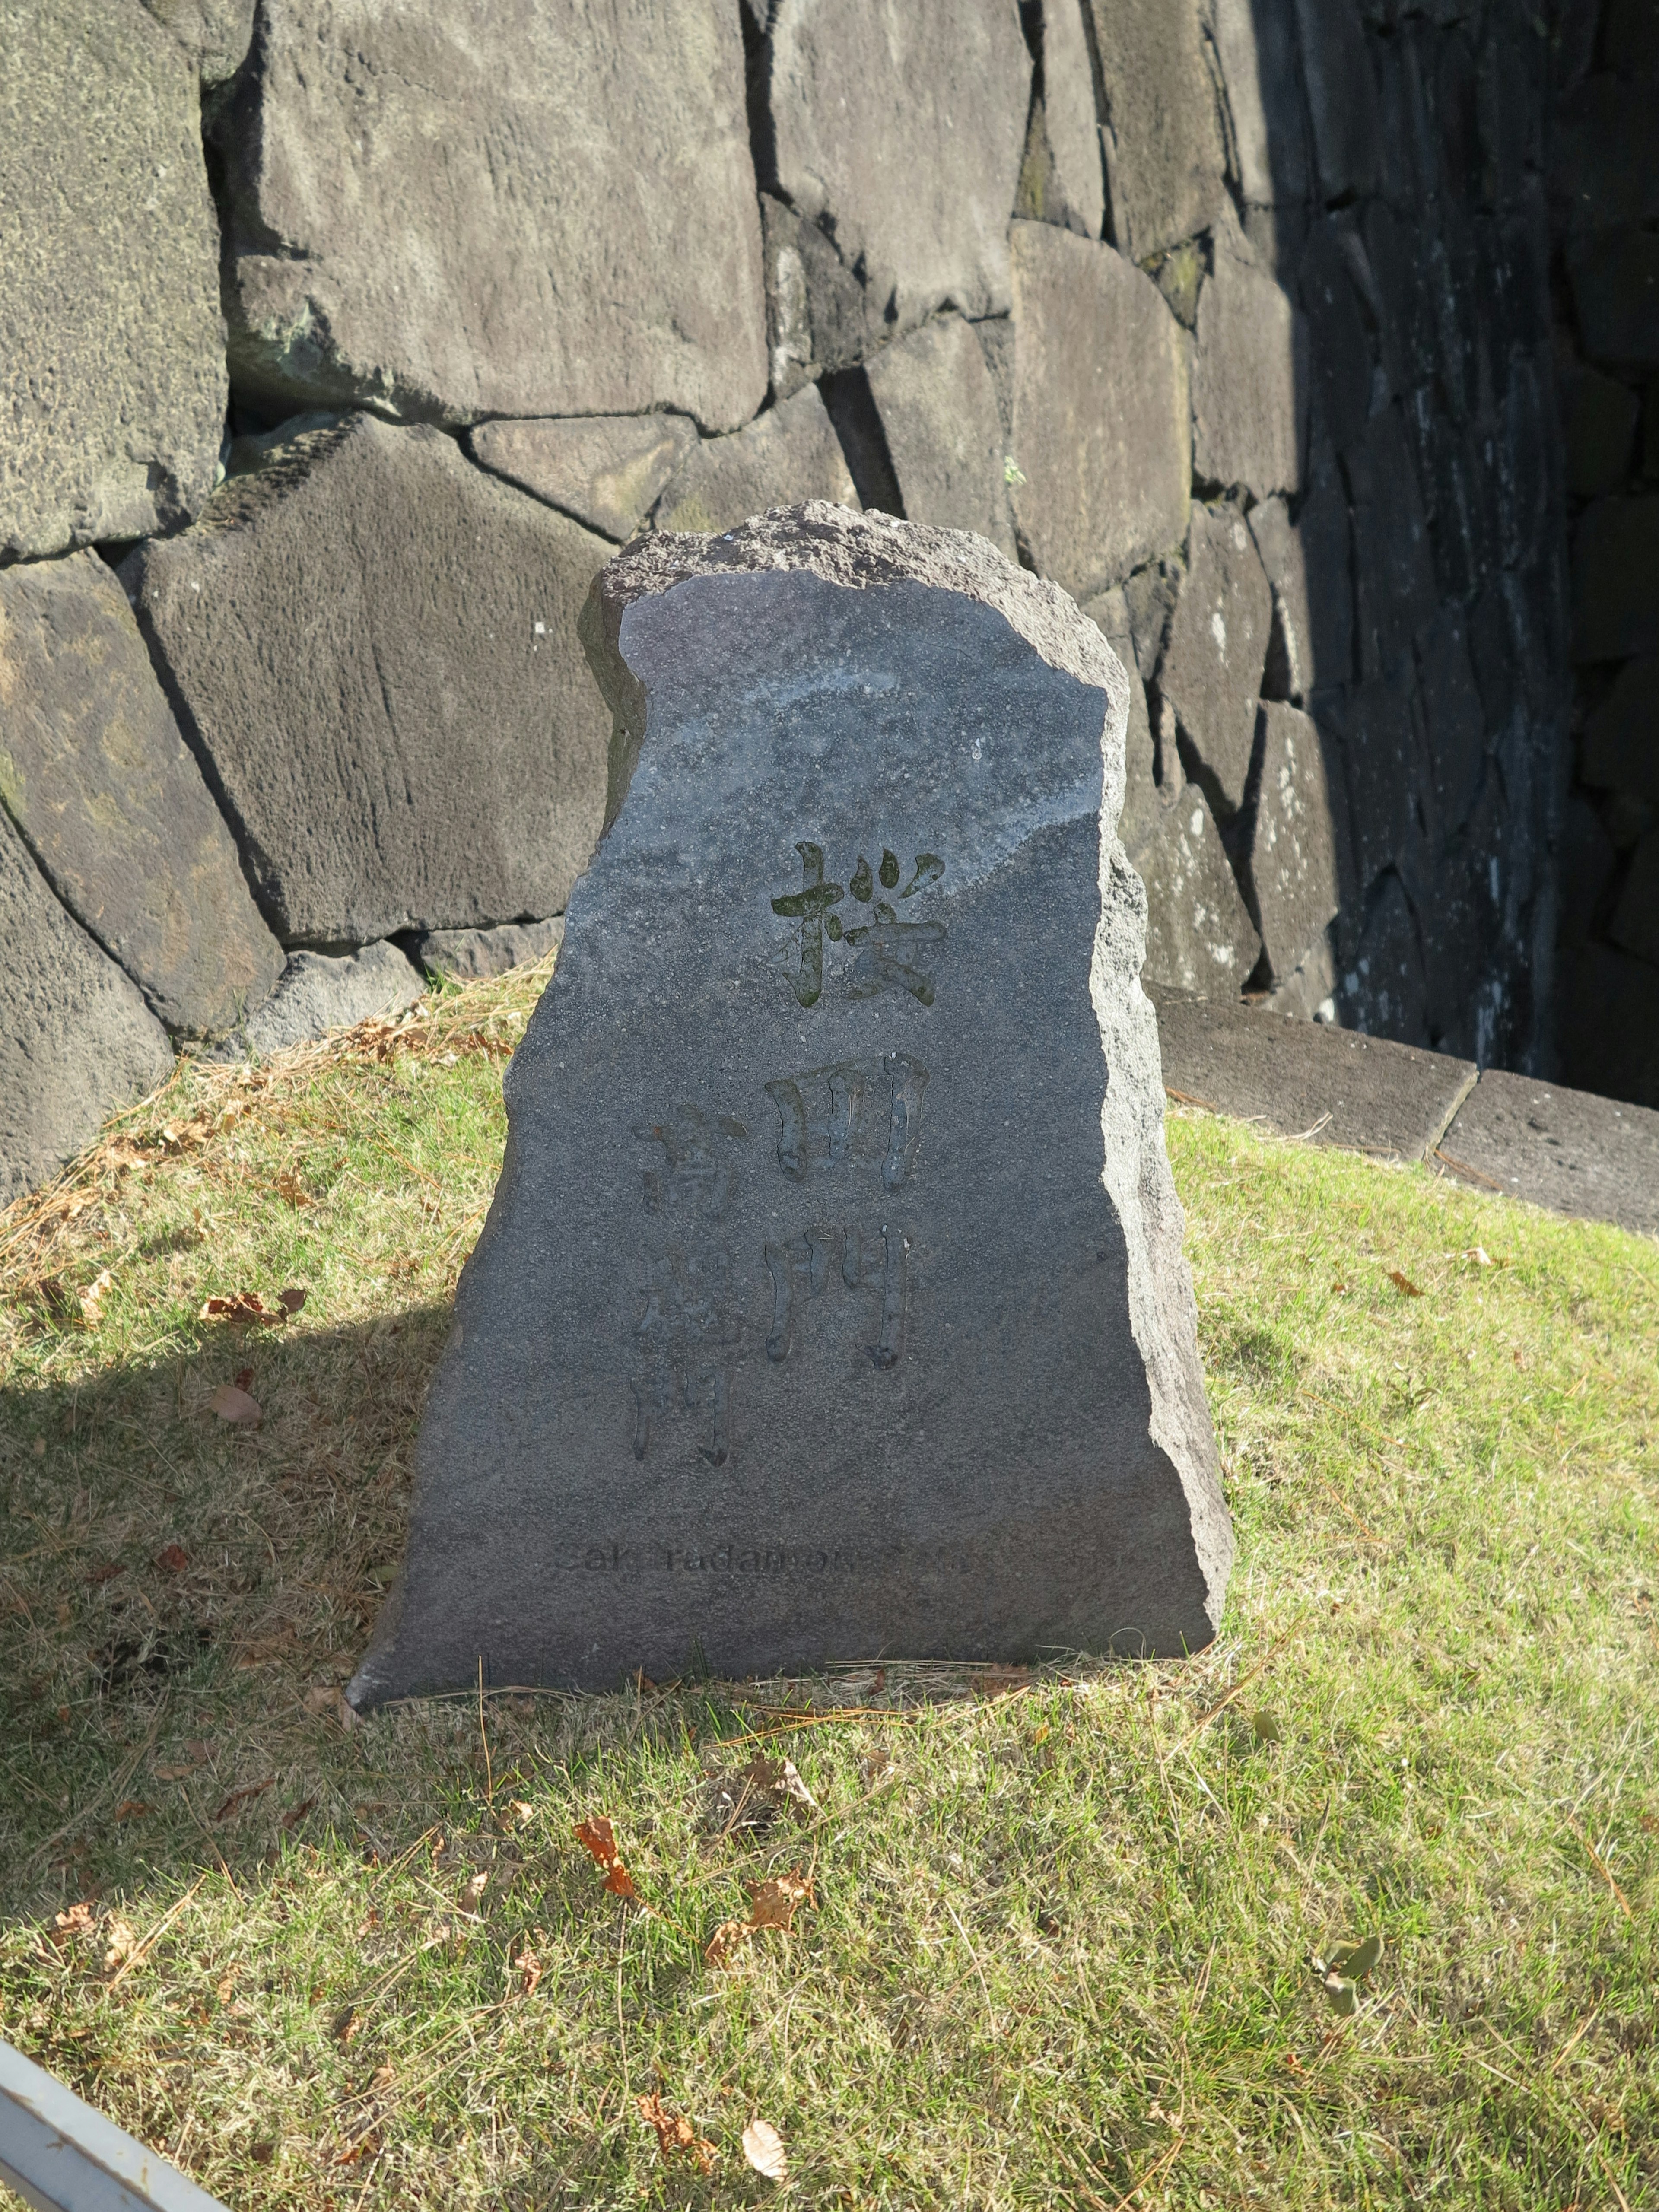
(864, 552)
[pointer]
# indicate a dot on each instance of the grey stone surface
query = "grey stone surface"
(783, 1341)
(1164, 160)
(1331, 1086)
(374, 643)
(1217, 648)
(1309, 566)
(1341, 97)
(1152, 778)
(94, 771)
(1249, 385)
(1385, 992)
(1290, 876)
(1339, 348)
(1616, 579)
(788, 454)
(1621, 736)
(1566, 1149)
(545, 207)
(1453, 717)
(1199, 937)
(76, 1040)
(938, 415)
(216, 33)
(112, 348)
(1376, 723)
(1257, 49)
(607, 470)
(468, 956)
(1101, 433)
(1615, 288)
(1607, 1020)
(1635, 923)
(1395, 594)
(1588, 859)
(818, 315)
(1070, 181)
(903, 128)
(319, 992)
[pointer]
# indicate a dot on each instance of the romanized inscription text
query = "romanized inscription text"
(578, 1557)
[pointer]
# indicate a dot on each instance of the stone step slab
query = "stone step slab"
(831, 1302)
(77, 1042)
(94, 771)
(541, 208)
(112, 383)
(374, 643)
(1327, 1085)
(1567, 1150)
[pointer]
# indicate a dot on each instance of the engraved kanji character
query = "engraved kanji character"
(870, 1260)
(809, 906)
(849, 1125)
(688, 1336)
(891, 950)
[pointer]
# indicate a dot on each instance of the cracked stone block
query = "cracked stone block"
(95, 773)
(372, 647)
(1248, 382)
(1217, 648)
(216, 33)
(471, 956)
(938, 415)
(1102, 423)
(1309, 569)
(818, 316)
(1148, 794)
(111, 347)
(1289, 843)
(319, 992)
(1199, 937)
(1165, 158)
(1385, 993)
(1062, 179)
(1621, 737)
(784, 1092)
(901, 129)
(788, 454)
(606, 470)
(536, 209)
(76, 1040)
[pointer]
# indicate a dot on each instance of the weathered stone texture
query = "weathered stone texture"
(788, 454)
(1621, 737)
(1164, 160)
(468, 956)
(112, 346)
(317, 993)
(1341, 97)
(1210, 670)
(1616, 579)
(761, 1149)
(1249, 378)
(1152, 778)
(603, 469)
(818, 315)
(216, 33)
(901, 129)
(1070, 181)
(546, 207)
(1199, 937)
(1385, 993)
(76, 1040)
(1309, 566)
(94, 771)
(1290, 864)
(938, 415)
(1257, 49)
(374, 644)
(1101, 435)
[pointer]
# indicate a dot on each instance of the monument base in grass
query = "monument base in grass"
(831, 1303)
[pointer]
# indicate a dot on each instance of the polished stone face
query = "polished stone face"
(804, 1326)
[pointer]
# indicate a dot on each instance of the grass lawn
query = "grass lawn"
(1050, 1934)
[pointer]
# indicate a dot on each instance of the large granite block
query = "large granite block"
(1309, 565)
(1341, 98)
(831, 1302)
(470, 956)
(788, 454)
(1063, 164)
(374, 643)
(111, 347)
(938, 416)
(216, 33)
(1305, 1079)
(1250, 382)
(1102, 436)
(319, 992)
(1217, 648)
(819, 316)
(537, 208)
(1289, 843)
(603, 469)
(76, 1040)
(900, 130)
(1199, 937)
(1257, 49)
(1152, 776)
(1164, 159)
(94, 771)
(1567, 1150)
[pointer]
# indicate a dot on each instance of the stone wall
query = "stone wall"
(1605, 176)
(346, 343)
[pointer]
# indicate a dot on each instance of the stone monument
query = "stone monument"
(831, 1304)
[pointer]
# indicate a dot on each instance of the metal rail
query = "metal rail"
(61, 2156)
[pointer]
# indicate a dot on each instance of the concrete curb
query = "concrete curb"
(1570, 1151)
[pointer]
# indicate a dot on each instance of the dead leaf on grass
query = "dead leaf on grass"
(527, 1965)
(762, 2146)
(345, 2024)
(675, 2133)
(291, 1300)
(245, 1796)
(92, 1298)
(599, 1839)
(77, 1921)
(1403, 1284)
(728, 1943)
(132, 1808)
(172, 1559)
(773, 1903)
(231, 1403)
(121, 1943)
(105, 1574)
(246, 1310)
(291, 1190)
